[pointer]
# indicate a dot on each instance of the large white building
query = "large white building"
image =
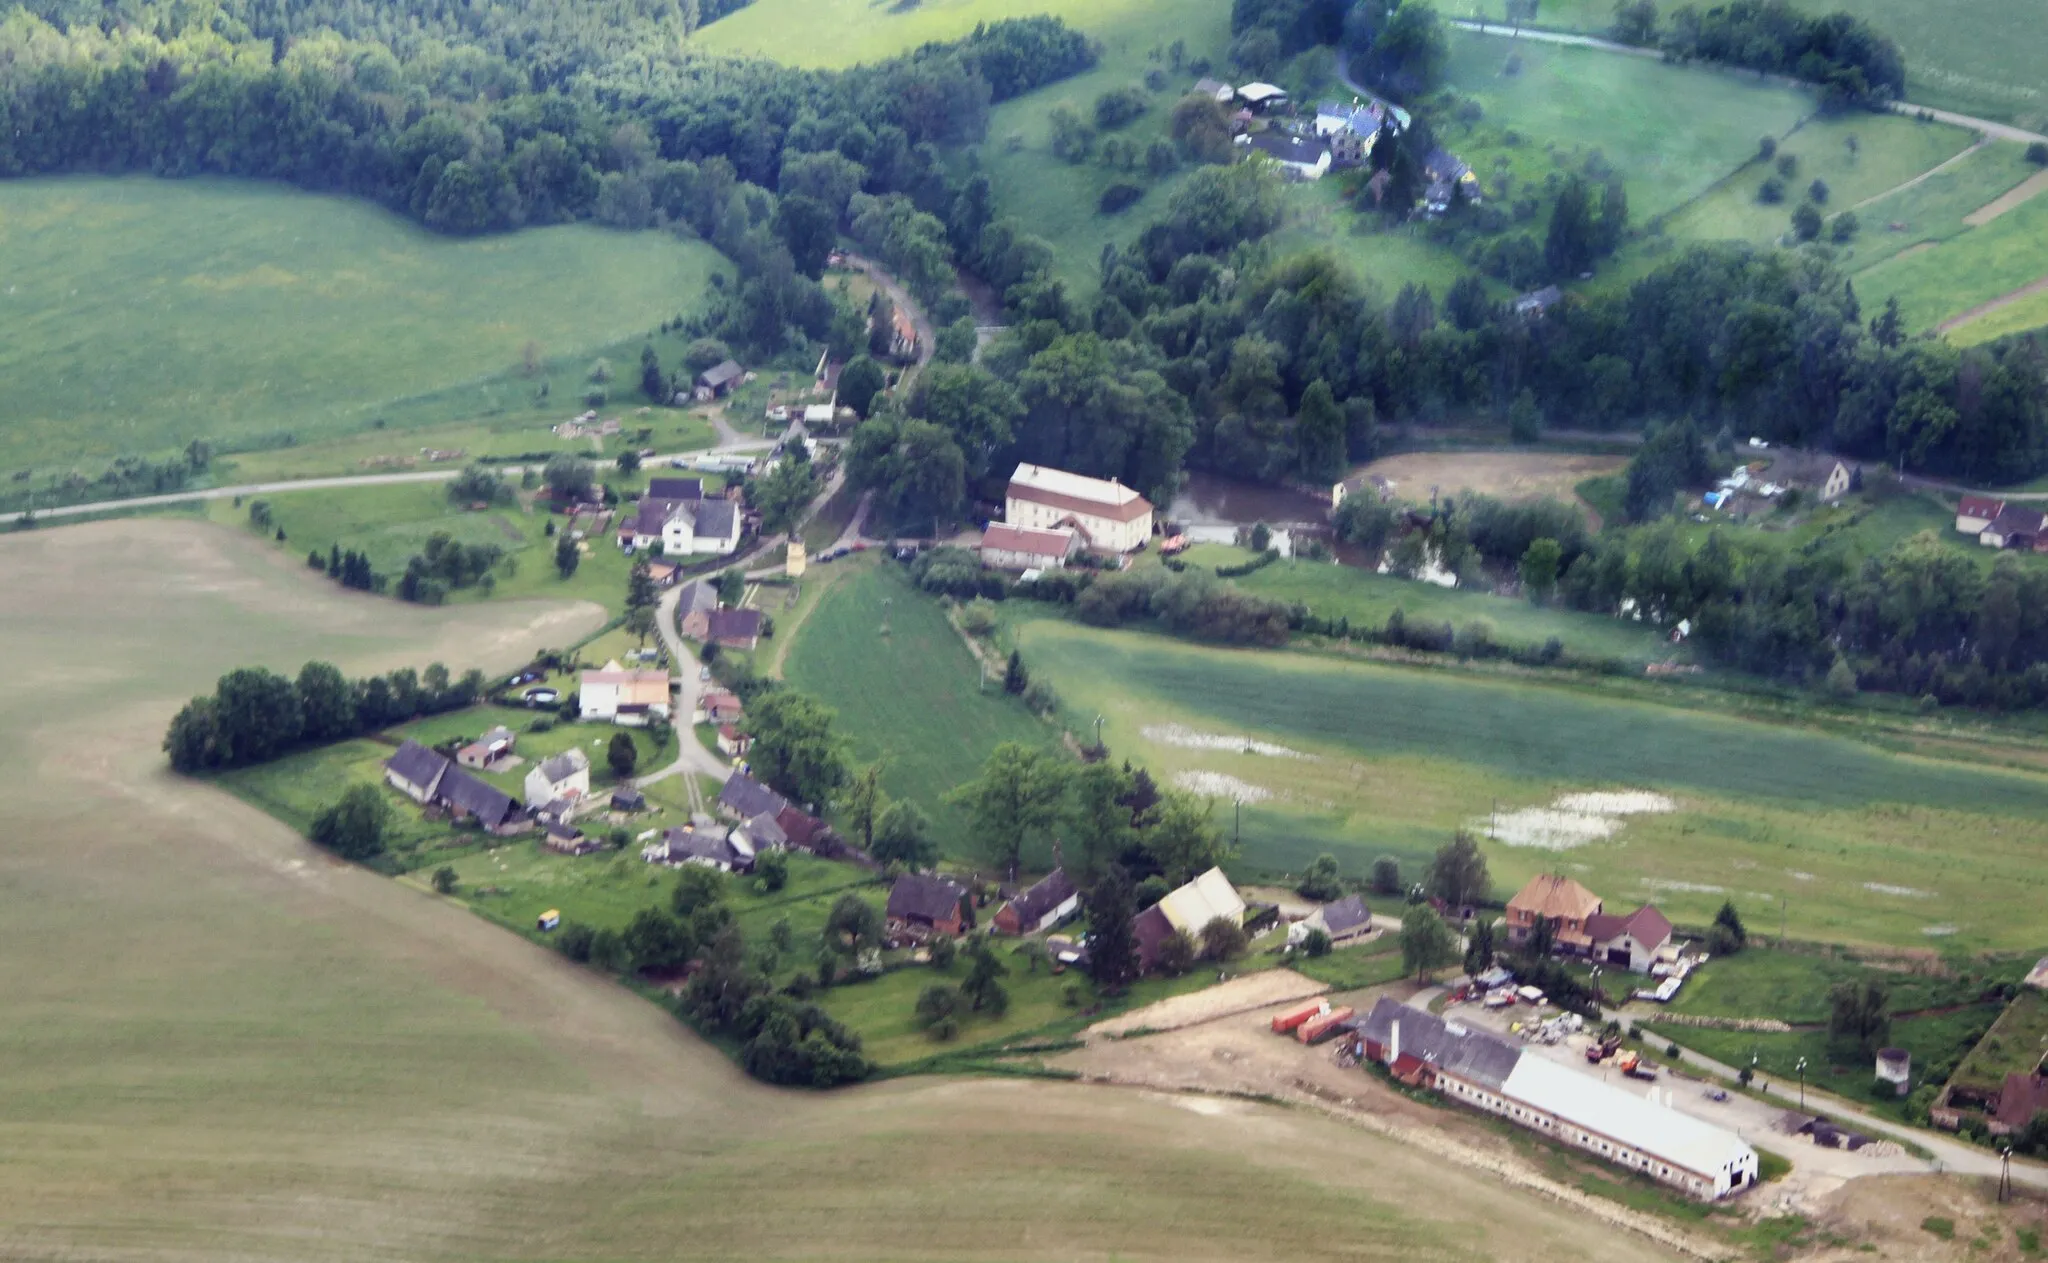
(1112, 517)
(1554, 1100)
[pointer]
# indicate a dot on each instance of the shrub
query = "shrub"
(444, 880)
(1176, 954)
(1223, 939)
(2037, 153)
(1119, 106)
(1673, 1052)
(978, 616)
(1771, 191)
(1817, 192)
(1940, 1226)
(942, 952)
(1119, 197)
(1844, 228)
(1316, 943)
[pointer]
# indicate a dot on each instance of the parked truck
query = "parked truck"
(1285, 1023)
(1321, 1027)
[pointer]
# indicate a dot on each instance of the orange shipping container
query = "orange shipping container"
(1285, 1022)
(1317, 1028)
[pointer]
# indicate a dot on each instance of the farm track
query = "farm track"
(1924, 175)
(1984, 309)
(2012, 199)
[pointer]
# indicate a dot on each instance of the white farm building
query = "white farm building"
(1567, 1105)
(1112, 517)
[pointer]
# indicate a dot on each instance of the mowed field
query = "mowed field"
(144, 313)
(1936, 285)
(221, 1044)
(913, 698)
(1372, 759)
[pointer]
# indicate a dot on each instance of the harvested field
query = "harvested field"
(1504, 475)
(1239, 995)
(1992, 210)
(225, 1045)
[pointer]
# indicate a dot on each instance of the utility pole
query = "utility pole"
(2005, 1173)
(1801, 1068)
(1098, 732)
(1237, 827)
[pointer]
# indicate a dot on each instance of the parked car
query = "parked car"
(703, 673)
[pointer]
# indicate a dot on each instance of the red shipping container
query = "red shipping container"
(1285, 1022)
(1318, 1028)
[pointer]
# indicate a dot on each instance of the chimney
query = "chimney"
(1394, 1048)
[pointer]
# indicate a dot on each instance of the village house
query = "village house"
(711, 847)
(1977, 512)
(732, 743)
(1345, 921)
(675, 489)
(625, 798)
(733, 629)
(1110, 516)
(695, 602)
(742, 798)
(1556, 899)
(923, 905)
(2014, 527)
(1557, 1101)
(717, 380)
(1006, 547)
(465, 797)
(681, 527)
(902, 335)
(564, 777)
(487, 750)
(564, 838)
(415, 771)
(621, 696)
(1837, 484)
(1351, 130)
(1635, 942)
(1045, 905)
(1186, 909)
(763, 832)
(1449, 178)
(1299, 157)
(720, 706)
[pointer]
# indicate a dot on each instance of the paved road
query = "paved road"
(691, 756)
(1997, 131)
(349, 480)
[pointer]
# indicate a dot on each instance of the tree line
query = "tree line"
(255, 715)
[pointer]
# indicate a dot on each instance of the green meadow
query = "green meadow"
(1853, 839)
(833, 34)
(1933, 210)
(912, 698)
(143, 313)
(1959, 274)
(1979, 57)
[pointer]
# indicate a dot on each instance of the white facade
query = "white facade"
(567, 775)
(709, 526)
(603, 694)
(1629, 1130)
(1112, 516)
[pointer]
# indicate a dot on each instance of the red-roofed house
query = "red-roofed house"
(1633, 940)
(1977, 512)
(1115, 518)
(1006, 547)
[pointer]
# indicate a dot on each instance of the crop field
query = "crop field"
(1362, 759)
(1979, 57)
(837, 33)
(912, 698)
(1670, 131)
(224, 1044)
(1935, 285)
(1890, 149)
(143, 313)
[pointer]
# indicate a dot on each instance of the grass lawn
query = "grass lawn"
(1396, 759)
(391, 523)
(1319, 218)
(1891, 149)
(912, 698)
(1350, 968)
(1793, 986)
(1936, 1042)
(1367, 599)
(144, 313)
(2016, 1043)
(1671, 131)
(1979, 265)
(1058, 200)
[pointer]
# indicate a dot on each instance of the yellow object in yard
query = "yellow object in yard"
(549, 919)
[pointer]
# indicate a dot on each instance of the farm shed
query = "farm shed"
(718, 379)
(1345, 921)
(415, 771)
(1006, 547)
(924, 904)
(1045, 905)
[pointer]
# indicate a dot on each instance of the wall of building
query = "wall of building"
(1106, 534)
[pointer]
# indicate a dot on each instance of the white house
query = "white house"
(1633, 941)
(1977, 512)
(702, 526)
(565, 776)
(1837, 484)
(622, 696)
(1111, 516)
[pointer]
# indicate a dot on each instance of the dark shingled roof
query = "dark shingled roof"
(417, 764)
(715, 518)
(924, 897)
(746, 797)
(1346, 915)
(720, 374)
(486, 802)
(696, 595)
(705, 844)
(734, 625)
(764, 832)
(628, 799)
(1150, 928)
(1050, 893)
(1473, 1056)
(675, 488)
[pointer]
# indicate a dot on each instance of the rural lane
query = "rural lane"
(329, 484)
(691, 756)
(927, 337)
(1997, 131)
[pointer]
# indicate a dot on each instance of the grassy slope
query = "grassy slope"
(1058, 200)
(1983, 263)
(144, 313)
(1794, 986)
(839, 33)
(1671, 131)
(1406, 756)
(1933, 210)
(912, 698)
(1892, 149)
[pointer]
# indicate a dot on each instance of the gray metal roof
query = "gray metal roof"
(746, 797)
(1467, 1054)
(418, 764)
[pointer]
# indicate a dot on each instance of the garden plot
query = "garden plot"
(1572, 820)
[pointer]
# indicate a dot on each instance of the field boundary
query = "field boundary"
(2012, 199)
(1982, 310)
